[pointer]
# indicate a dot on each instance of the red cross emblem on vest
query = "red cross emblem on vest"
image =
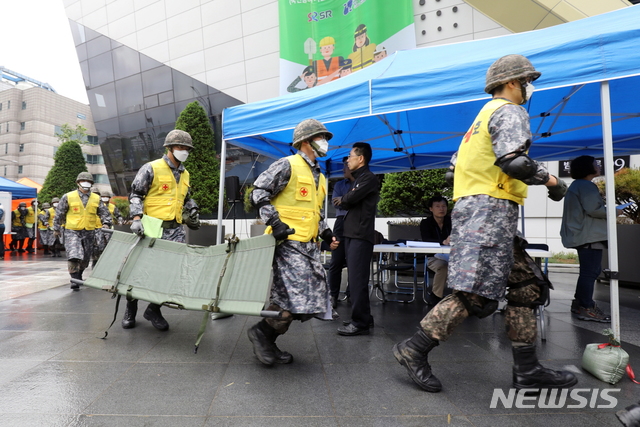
(304, 192)
(165, 187)
(75, 209)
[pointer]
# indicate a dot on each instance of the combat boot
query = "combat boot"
(152, 314)
(263, 337)
(282, 357)
(529, 373)
(412, 354)
(129, 319)
(77, 276)
(46, 250)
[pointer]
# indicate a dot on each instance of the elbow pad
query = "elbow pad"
(517, 165)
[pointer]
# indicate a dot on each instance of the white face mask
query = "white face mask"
(528, 91)
(180, 155)
(55, 205)
(84, 185)
(105, 199)
(320, 146)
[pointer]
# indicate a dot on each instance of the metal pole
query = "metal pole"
(223, 161)
(607, 138)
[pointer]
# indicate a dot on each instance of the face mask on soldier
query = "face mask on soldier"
(320, 146)
(105, 199)
(180, 155)
(85, 185)
(55, 205)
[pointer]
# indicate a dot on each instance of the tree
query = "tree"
(407, 193)
(202, 164)
(68, 162)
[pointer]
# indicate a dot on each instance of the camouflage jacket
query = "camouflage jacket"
(63, 208)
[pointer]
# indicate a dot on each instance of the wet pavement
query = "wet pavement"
(56, 371)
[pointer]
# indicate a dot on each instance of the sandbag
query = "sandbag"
(605, 362)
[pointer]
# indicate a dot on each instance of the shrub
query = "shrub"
(627, 188)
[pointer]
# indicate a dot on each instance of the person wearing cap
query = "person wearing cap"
(328, 67)
(30, 225)
(161, 190)
(490, 180)
(379, 54)
(55, 246)
(79, 211)
(362, 55)
(289, 197)
(18, 217)
(116, 216)
(44, 234)
(310, 79)
(345, 68)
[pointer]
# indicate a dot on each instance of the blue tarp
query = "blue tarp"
(18, 191)
(415, 106)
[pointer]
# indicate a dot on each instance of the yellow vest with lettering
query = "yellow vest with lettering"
(80, 217)
(300, 202)
(166, 197)
(111, 209)
(52, 215)
(475, 172)
(41, 225)
(16, 221)
(31, 216)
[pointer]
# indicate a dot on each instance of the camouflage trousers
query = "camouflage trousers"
(520, 322)
(79, 246)
(282, 325)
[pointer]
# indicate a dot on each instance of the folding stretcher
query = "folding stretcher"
(231, 278)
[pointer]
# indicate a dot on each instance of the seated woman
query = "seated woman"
(437, 228)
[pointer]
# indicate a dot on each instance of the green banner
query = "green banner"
(324, 40)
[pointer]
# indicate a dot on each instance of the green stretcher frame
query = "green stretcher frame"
(231, 278)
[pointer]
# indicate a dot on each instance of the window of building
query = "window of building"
(24, 105)
(6, 148)
(101, 178)
(8, 105)
(55, 150)
(94, 159)
(22, 124)
(93, 140)
(7, 126)
(21, 148)
(0, 106)
(19, 169)
(5, 171)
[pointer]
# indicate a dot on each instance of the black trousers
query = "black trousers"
(338, 260)
(359, 254)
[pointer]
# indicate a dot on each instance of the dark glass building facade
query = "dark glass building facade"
(135, 101)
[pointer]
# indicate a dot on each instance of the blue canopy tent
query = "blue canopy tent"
(18, 191)
(414, 106)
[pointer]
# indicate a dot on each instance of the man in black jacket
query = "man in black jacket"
(359, 234)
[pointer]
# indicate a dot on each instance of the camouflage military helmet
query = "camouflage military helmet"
(55, 200)
(22, 205)
(84, 176)
(508, 68)
(307, 129)
(96, 191)
(46, 205)
(107, 194)
(178, 137)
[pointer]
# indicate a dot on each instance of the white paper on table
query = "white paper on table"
(416, 244)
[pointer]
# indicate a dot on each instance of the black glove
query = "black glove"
(280, 230)
(137, 228)
(327, 236)
(557, 192)
(191, 220)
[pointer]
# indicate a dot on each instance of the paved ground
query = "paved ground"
(57, 372)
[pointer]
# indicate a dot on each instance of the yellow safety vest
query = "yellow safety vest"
(52, 215)
(475, 171)
(113, 220)
(166, 197)
(80, 217)
(16, 221)
(41, 225)
(31, 216)
(300, 202)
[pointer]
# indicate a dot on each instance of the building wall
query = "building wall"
(33, 147)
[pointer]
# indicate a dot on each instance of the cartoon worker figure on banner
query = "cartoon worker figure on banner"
(363, 49)
(329, 66)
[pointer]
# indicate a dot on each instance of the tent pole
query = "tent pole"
(223, 162)
(607, 138)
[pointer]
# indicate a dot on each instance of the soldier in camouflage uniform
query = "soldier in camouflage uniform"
(161, 190)
(56, 245)
(79, 210)
(492, 172)
(44, 233)
(289, 197)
